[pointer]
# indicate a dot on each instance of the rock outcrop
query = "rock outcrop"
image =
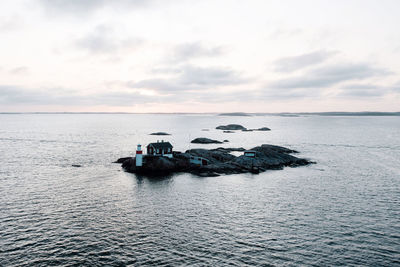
(219, 161)
(230, 127)
(203, 140)
(263, 129)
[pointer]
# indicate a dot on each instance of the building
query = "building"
(198, 161)
(250, 153)
(160, 149)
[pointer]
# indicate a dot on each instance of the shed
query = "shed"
(160, 149)
(250, 153)
(198, 160)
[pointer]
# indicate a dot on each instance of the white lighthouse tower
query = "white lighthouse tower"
(139, 156)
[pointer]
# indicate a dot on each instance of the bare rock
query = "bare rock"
(263, 129)
(203, 140)
(230, 127)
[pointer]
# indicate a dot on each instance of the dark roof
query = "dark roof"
(161, 145)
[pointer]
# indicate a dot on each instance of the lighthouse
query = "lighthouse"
(139, 156)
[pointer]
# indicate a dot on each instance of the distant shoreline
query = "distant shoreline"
(283, 114)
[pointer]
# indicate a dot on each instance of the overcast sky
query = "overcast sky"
(199, 56)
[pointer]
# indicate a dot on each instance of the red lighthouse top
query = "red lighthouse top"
(139, 149)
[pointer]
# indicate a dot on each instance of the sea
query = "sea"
(342, 211)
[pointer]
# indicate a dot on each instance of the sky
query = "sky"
(199, 56)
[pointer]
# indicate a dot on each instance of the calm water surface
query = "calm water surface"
(344, 210)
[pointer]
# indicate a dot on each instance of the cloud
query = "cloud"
(211, 76)
(187, 51)
(284, 32)
(289, 64)
(9, 24)
(20, 70)
(367, 90)
(15, 95)
(330, 75)
(103, 40)
(190, 77)
(85, 7)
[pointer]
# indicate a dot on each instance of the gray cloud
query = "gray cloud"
(330, 75)
(20, 70)
(15, 95)
(10, 23)
(102, 40)
(84, 7)
(187, 51)
(190, 77)
(211, 76)
(288, 64)
(367, 90)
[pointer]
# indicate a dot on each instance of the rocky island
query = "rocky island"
(215, 162)
(230, 128)
(203, 140)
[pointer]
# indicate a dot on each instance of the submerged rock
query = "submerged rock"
(217, 161)
(160, 133)
(230, 127)
(203, 140)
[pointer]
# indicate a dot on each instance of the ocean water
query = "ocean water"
(344, 210)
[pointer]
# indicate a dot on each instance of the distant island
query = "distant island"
(160, 133)
(234, 127)
(239, 114)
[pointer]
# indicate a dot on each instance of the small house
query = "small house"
(160, 149)
(198, 161)
(250, 153)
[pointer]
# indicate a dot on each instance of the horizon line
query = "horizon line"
(371, 113)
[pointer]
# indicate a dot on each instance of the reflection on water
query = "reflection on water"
(342, 211)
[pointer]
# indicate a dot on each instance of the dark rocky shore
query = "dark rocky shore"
(220, 161)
